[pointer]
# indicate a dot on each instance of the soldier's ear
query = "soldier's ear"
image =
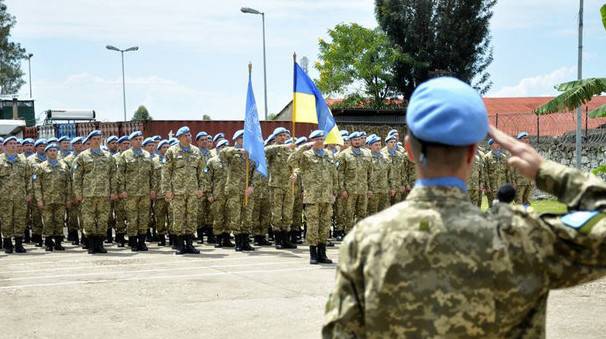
(471, 154)
(408, 148)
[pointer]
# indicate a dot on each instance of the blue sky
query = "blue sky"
(193, 54)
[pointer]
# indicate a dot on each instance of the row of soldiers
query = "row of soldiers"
(132, 185)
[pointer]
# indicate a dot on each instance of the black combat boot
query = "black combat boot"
(48, 244)
(76, 240)
(286, 244)
(245, 242)
(109, 238)
(172, 241)
(148, 235)
(238, 242)
(7, 244)
(179, 246)
(313, 255)
(260, 240)
(278, 239)
(58, 240)
(322, 258)
(189, 247)
(89, 243)
(19, 245)
(227, 241)
(85, 243)
(162, 240)
(294, 237)
(132, 243)
(219, 243)
(70, 235)
(26, 236)
(210, 236)
(120, 239)
(100, 248)
(141, 245)
(200, 233)
(37, 239)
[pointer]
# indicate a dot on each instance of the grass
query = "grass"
(539, 206)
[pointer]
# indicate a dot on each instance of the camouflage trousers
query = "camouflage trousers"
(72, 218)
(318, 218)
(297, 211)
(475, 196)
(53, 216)
(184, 211)
(137, 214)
(340, 213)
(161, 214)
(235, 212)
(120, 214)
(356, 208)
(204, 215)
(378, 202)
(217, 208)
(35, 218)
(399, 196)
(94, 215)
(281, 208)
(523, 194)
(13, 217)
(491, 195)
(259, 218)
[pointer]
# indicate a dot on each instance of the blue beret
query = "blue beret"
(222, 143)
(173, 141)
(239, 134)
(280, 130)
(63, 138)
(371, 136)
(268, 140)
(76, 140)
(399, 143)
(51, 140)
(344, 133)
(111, 139)
(362, 133)
(162, 143)
(490, 142)
(181, 131)
(390, 137)
(27, 141)
(123, 139)
(393, 131)
(345, 137)
(316, 134)
(300, 141)
(51, 146)
(40, 142)
(447, 111)
(210, 137)
(522, 135)
(1, 140)
(11, 138)
(147, 141)
(218, 136)
(135, 134)
(201, 135)
(288, 142)
(156, 138)
(354, 135)
(373, 140)
(94, 133)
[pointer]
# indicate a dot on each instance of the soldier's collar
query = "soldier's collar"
(442, 182)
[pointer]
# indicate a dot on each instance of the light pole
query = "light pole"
(29, 66)
(130, 49)
(248, 10)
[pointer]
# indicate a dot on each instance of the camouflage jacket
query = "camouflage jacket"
(94, 175)
(235, 160)
(475, 181)
(319, 175)
(158, 164)
(382, 179)
(398, 170)
(183, 172)
(52, 184)
(496, 172)
(135, 174)
(279, 173)
(354, 171)
(261, 185)
(216, 173)
(436, 266)
(15, 178)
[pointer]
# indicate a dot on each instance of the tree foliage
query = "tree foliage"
(11, 55)
(357, 63)
(206, 117)
(442, 37)
(142, 114)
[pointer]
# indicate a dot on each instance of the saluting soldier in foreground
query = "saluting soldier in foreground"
(436, 266)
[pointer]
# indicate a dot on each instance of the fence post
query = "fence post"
(538, 128)
(586, 121)
(496, 123)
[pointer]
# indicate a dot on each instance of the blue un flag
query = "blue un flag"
(253, 138)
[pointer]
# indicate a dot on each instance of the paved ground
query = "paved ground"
(220, 293)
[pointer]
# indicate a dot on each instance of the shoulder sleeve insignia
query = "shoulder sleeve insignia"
(582, 221)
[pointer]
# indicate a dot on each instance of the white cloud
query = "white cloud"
(538, 85)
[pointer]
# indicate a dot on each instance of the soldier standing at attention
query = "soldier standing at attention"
(496, 171)
(64, 151)
(136, 187)
(235, 159)
(119, 206)
(216, 173)
(160, 205)
(34, 212)
(74, 211)
(355, 170)
(523, 185)
(489, 273)
(204, 215)
(182, 184)
(396, 161)
(27, 146)
(281, 188)
(52, 188)
(382, 183)
(95, 186)
(297, 207)
(149, 145)
(319, 174)
(15, 194)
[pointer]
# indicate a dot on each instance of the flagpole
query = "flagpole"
(294, 96)
(246, 157)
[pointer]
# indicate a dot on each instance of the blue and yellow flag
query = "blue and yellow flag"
(309, 106)
(253, 139)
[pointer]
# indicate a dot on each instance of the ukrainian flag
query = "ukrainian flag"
(309, 106)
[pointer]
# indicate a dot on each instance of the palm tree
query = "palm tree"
(578, 93)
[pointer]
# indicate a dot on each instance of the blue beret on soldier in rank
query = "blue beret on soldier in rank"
(63, 138)
(9, 139)
(280, 130)
(112, 138)
(522, 135)
(447, 111)
(76, 140)
(344, 133)
(147, 141)
(490, 142)
(51, 140)
(316, 134)
(135, 134)
(218, 137)
(392, 132)
(390, 137)
(156, 138)
(288, 142)
(173, 141)
(1, 140)
(201, 135)
(239, 134)
(300, 141)
(162, 143)
(222, 143)
(95, 133)
(27, 141)
(50, 146)
(182, 131)
(40, 142)
(374, 139)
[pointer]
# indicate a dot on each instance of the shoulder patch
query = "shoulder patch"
(582, 221)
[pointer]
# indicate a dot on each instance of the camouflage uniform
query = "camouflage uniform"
(94, 181)
(52, 187)
(216, 173)
(259, 218)
(160, 205)
(73, 212)
(297, 206)
(398, 173)
(410, 175)
(119, 208)
(235, 184)
(182, 175)
(475, 180)
(281, 188)
(136, 177)
(436, 266)
(355, 170)
(204, 215)
(35, 214)
(524, 187)
(15, 186)
(496, 173)
(319, 178)
(381, 182)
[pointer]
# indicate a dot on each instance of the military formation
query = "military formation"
(133, 190)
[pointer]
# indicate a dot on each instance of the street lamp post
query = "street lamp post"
(130, 49)
(29, 66)
(248, 10)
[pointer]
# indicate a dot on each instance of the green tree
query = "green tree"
(206, 117)
(11, 55)
(141, 114)
(578, 93)
(357, 63)
(441, 37)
